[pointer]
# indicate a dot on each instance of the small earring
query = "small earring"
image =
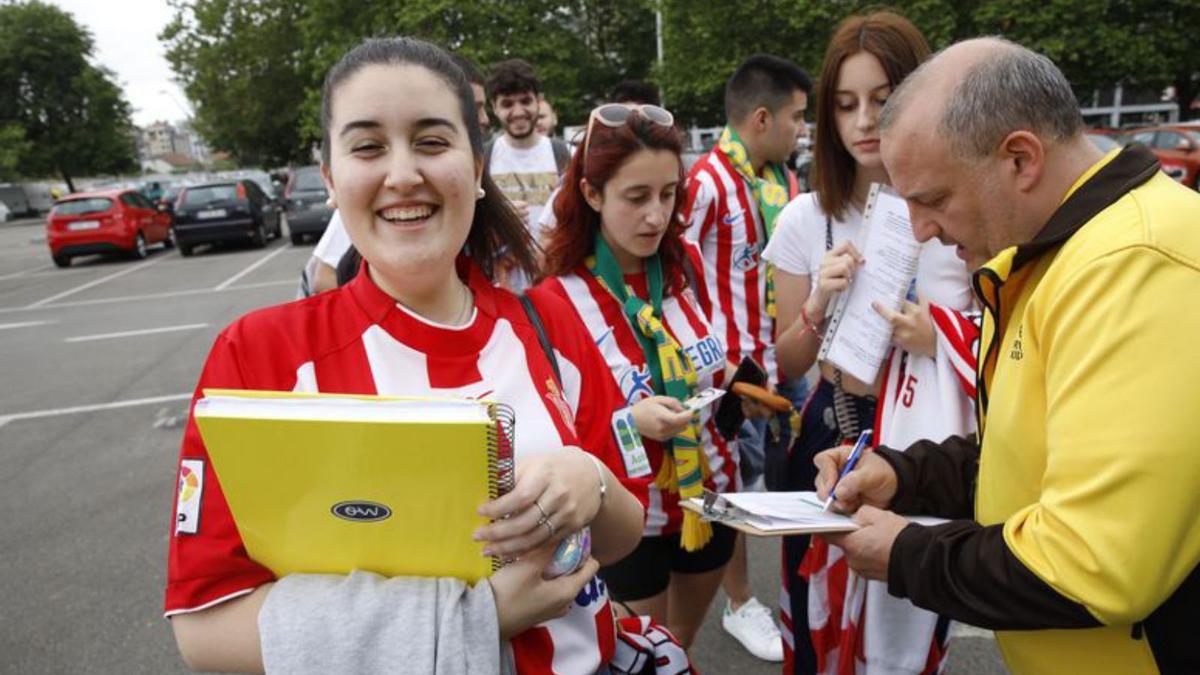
(480, 193)
(331, 202)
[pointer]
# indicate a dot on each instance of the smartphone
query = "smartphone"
(729, 413)
(704, 398)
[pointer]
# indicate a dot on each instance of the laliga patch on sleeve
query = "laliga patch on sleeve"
(637, 464)
(187, 500)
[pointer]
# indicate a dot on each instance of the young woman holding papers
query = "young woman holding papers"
(619, 259)
(923, 389)
(402, 156)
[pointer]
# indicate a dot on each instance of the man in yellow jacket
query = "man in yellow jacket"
(1077, 507)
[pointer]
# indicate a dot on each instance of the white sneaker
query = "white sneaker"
(754, 626)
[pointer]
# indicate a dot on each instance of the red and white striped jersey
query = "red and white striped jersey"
(358, 340)
(724, 219)
(855, 625)
(614, 335)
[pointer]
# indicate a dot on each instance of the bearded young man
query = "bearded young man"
(525, 164)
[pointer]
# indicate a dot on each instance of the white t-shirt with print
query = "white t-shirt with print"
(525, 174)
(797, 245)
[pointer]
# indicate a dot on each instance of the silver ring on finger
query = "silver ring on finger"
(541, 511)
(549, 526)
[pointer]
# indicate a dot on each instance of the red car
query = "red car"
(106, 221)
(1178, 150)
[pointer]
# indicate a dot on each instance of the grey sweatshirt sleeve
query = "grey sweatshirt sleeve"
(364, 623)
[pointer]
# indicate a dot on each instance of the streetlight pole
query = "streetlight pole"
(193, 149)
(658, 40)
(658, 33)
(187, 114)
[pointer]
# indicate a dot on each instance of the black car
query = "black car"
(307, 212)
(235, 210)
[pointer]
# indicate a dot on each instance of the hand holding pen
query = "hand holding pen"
(860, 477)
(859, 447)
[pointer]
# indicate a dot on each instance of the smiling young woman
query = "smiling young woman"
(814, 257)
(402, 157)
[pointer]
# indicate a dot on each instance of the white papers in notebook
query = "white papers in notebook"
(857, 338)
(776, 511)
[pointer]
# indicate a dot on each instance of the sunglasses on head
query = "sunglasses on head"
(614, 115)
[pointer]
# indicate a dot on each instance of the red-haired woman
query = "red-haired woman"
(619, 258)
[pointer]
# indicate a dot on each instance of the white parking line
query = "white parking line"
(97, 282)
(130, 333)
(152, 296)
(22, 273)
(5, 419)
(60, 273)
(23, 324)
(258, 263)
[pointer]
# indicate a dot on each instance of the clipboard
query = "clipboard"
(714, 509)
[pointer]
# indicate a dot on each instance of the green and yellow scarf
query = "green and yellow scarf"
(673, 374)
(772, 191)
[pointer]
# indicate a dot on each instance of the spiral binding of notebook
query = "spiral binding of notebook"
(501, 439)
(501, 448)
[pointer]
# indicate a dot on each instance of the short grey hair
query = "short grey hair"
(1013, 89)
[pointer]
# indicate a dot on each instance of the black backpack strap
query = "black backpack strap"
(536, 321)
(562, 155)
(348, 266)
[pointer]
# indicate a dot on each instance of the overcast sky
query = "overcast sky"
(126, 36)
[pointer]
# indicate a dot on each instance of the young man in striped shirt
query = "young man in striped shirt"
(734, 194)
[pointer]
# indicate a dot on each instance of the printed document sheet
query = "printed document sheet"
(774, 511)
(858, 338)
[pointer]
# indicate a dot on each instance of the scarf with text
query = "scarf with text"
(673, 374)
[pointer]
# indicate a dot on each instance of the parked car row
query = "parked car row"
(307, 210)
(222, 212)
(108, 221)
(1176, 146)
(124, 221)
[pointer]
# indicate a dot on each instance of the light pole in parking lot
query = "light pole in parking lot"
(187, 113)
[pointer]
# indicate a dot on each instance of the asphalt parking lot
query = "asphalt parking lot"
(99, 361)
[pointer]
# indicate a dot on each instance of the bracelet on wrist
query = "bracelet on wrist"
(600, 475)
(809, 326)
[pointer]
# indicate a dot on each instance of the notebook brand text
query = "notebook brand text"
(362, 512)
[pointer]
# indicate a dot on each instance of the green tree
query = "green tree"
(12, 146)
(705, 42)
(254, 67)
(238, 61)
(1097, 43)
(65, 115)
(581, 48)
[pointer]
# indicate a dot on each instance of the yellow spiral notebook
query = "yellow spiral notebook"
(328, 483)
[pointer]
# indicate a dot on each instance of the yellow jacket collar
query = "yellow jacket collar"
(1131, 167)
